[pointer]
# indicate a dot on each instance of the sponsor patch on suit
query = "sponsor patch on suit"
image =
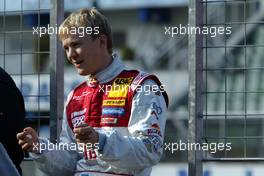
(108, 120)
(120, 87)
(113, 111)
(116, 102)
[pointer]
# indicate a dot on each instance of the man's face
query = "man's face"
(83, 53)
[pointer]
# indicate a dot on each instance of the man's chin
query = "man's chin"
(82, 72)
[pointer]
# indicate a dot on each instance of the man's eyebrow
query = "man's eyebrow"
(73, 42)
(70, 43)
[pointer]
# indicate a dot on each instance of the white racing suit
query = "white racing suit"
(127, 150)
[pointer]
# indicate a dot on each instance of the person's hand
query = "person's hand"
(28, 140)
(85, 134)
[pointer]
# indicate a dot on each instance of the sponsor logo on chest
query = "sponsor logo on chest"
(117, 102)
(113, 111)
(108, 120)
(80, 97)
(77, 117)
(120, 87)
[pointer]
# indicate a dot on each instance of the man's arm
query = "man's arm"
(52, 162)
(12, 118)
(60, 161)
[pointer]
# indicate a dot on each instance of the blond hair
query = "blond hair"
(88, 17)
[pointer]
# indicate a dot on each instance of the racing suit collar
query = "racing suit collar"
(110, 72)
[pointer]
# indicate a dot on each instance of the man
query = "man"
(118, 115)
(12, 117)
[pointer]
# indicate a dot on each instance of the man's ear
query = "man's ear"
(103, 41)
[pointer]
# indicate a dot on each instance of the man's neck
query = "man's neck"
(108, 60)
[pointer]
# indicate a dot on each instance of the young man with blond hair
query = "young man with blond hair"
(118, 124)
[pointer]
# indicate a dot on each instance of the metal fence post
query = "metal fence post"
(195, 87)
(56, 71)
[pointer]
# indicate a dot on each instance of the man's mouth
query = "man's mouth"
(78, 64)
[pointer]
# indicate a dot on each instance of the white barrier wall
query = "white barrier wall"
(176, 169)
(211, 169)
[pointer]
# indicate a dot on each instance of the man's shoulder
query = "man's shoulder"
(137, 74)
(80, 86)
(144, 79)
(139, 77)
(5, 78)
